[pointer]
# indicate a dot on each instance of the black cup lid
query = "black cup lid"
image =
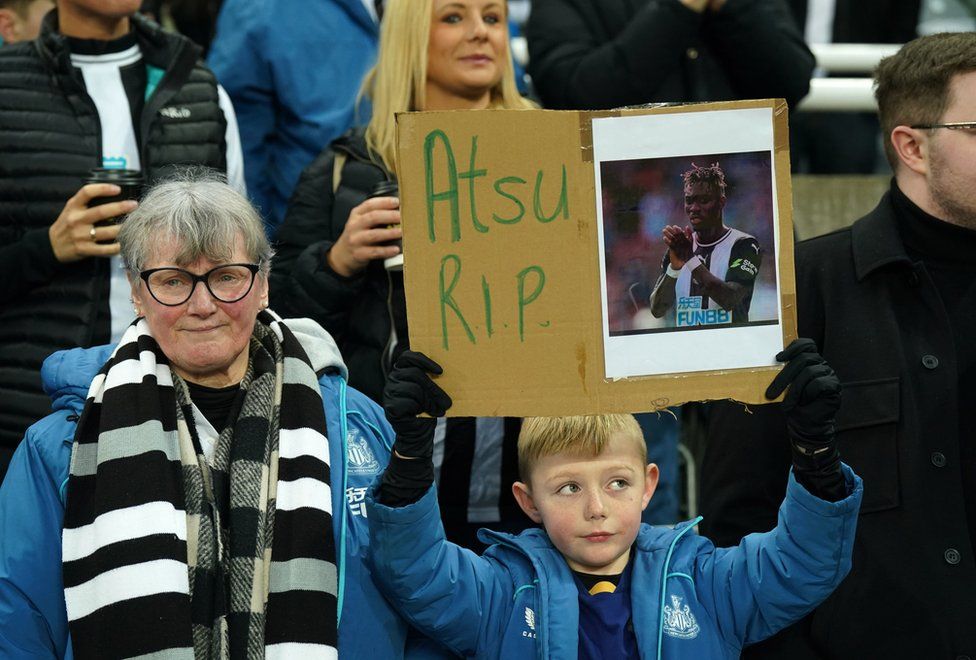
(385, 189)
(118, 177)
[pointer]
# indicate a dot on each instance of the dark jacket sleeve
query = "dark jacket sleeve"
(26, 263)
(760, 49)
(573, 67)
(302, 284)
(744, 470)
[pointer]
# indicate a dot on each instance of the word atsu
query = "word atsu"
(512, 190)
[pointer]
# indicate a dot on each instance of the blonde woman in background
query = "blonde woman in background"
(334, 238)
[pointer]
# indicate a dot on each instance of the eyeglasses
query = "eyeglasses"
(969, 126)
(174, 286)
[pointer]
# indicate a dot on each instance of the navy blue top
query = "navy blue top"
(605, 628)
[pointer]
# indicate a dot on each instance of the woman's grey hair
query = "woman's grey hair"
(202, 215)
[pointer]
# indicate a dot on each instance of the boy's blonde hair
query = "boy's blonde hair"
(398, 82)
(586, 435)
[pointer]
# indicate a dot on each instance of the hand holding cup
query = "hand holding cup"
(76, 233)
(367, 236)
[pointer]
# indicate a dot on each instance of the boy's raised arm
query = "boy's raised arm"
(773, 579)
(409, 392)
(450, 593)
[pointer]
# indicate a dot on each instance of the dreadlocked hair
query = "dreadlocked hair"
(710, 174)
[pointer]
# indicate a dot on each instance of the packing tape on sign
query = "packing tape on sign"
(586, 131)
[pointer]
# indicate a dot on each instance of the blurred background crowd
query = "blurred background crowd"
(315, 143)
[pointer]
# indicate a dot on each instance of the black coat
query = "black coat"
(50, 137)
(868, 21)
(354, 310)
(593, 54)
(880, 322)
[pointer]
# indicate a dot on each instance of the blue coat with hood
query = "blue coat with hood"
(33, 621)
(689, 599)
(293, 71)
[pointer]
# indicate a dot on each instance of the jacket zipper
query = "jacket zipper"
(164, 92)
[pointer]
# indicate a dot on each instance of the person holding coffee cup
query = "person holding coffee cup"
(335, 237)
(336, 233)
(115, 92)
(80, 230)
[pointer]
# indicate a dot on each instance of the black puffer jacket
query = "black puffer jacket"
(610, 53)
(50, 137)
(354, 309)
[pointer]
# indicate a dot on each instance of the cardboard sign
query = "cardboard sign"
(522, 230)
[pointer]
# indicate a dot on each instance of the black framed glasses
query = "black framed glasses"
(968, 126)
(174, 286)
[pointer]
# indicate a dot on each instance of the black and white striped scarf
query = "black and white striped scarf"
(165, 554)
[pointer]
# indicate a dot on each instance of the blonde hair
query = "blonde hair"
(586, 435)
(397, 82)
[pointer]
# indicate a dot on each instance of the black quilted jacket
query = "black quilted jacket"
(50, 137)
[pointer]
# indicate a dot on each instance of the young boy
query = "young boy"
(594, 582)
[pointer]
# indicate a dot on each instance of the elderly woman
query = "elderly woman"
(203, 500)
(335, 237)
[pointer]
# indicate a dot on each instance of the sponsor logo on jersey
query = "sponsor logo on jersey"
(745, 266)
(359, 456)
(679, 622)
(689, 313)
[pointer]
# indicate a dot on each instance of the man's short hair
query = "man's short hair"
(585, 435)
(709, 174)
(912, 86)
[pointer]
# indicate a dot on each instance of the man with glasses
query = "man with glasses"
(891, 302)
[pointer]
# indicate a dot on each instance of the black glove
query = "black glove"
(409, 392)
(811, 405)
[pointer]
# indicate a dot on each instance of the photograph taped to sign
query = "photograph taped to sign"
(687, 220)
(725, 202)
